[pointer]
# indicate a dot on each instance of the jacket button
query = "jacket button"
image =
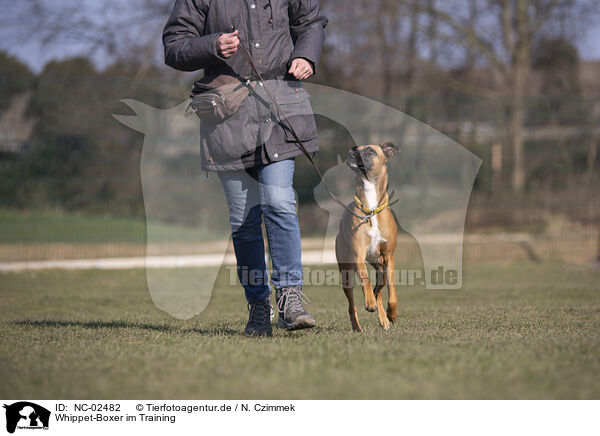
(257, 45)
(275, 155)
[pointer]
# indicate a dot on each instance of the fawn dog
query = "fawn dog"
(369, 234)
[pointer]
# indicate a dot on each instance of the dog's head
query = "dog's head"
(370, 159)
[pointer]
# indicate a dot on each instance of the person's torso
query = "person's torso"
(263, 27)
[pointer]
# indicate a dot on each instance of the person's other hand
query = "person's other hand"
(227, 44)
(301, 69)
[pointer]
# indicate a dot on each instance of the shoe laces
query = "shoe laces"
(292, 300)
(260, 312)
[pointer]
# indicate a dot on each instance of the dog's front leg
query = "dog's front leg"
(361, 270)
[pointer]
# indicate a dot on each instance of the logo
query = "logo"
(26, 415)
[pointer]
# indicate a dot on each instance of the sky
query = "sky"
(35, 56)
(589, 47)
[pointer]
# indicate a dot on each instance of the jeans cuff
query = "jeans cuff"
(254, 296)
(289, 285)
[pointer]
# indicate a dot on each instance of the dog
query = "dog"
(368, 233)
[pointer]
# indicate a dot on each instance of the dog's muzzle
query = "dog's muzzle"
(352, 159)
(355, 162)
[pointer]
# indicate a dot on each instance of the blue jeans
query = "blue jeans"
(257, 192)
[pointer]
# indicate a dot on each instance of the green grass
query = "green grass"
(514, 331)
(56, 226)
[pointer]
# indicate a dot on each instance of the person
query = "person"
(253, 151)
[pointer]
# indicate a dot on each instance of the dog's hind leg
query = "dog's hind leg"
(392, 309)
(363, 274)
(352, 309)
(347, 273)
(378, 291)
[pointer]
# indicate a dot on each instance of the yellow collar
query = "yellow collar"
(371, 212)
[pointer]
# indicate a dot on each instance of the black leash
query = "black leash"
(244, 51)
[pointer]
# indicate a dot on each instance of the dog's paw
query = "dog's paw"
(392, 314)
(383, 320)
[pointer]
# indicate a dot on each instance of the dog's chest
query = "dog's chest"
(374, 232)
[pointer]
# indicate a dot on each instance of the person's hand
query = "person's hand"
(227, 44)
(301, 69)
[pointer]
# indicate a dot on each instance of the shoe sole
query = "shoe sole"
(303, 322)
(258, 335)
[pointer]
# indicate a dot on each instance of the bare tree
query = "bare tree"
(104, 31)
(503, 38)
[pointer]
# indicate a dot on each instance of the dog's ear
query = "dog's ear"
(389, 148)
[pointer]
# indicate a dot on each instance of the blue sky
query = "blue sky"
(35, 56)
(589, 47)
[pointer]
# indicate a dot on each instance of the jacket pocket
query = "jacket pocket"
(295, 104)
(231, 139)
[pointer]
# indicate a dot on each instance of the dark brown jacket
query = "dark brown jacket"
(275, 32)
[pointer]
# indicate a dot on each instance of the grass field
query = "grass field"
(60, 227)
(514, 331)
(54, 234)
